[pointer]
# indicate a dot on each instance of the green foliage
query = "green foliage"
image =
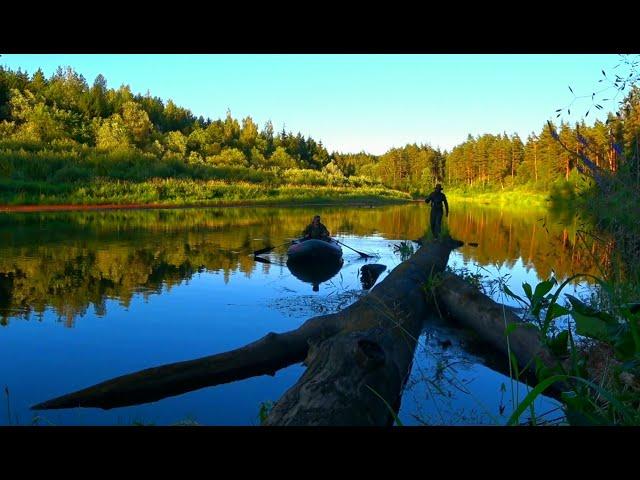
(229, 157)
(281, 159)
(615, 400)
(176, 142)
(112, 134)
(174, 191)
(36, 112)
(137, 122)
(404, 249)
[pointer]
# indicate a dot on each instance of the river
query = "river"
(86, 296)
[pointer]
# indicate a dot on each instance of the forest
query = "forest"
(63, 140)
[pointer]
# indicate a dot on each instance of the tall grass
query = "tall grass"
(516, 197)
(598, 353)
(76, 174)
(171, 191)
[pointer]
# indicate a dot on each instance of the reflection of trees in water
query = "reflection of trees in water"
(69, 278)
(541, 240)
(70, 261)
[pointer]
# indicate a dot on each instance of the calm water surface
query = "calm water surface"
(86, 296)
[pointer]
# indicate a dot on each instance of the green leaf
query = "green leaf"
(588, 311)
(590, 326)
(542, 371)
(629, 414)
(624, 347)
(511, 294)
(556, 311)
(559, 344)
(578, 418)
(579, 306)
(527, 289)
(536, 306)
(514, 364)
(543, 288)
(607, 318)
(532, 395)
(579, 410)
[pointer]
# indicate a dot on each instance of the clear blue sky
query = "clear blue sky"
(357, 102)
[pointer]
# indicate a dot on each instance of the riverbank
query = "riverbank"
(171, 193)
(363, 202)
(502, 198)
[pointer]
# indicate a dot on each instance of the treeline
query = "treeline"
(412, 168)
(503, 160)
(63, 130)
(65, 111)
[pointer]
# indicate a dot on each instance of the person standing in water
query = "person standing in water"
(437, 199)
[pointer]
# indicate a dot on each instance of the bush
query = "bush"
(71, 174)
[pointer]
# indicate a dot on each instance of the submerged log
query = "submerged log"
(490, 320)
(389, 319)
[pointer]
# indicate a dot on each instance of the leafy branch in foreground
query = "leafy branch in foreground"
(614, 84)
(599, 353)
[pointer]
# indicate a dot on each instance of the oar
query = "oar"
(262, 260)
(364, 255)
(268, 249)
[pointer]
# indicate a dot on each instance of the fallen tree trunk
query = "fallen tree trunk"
(263, 357)
(356, 376)
(490, 321)
(348, 371)
(389, 318)
(357, 360)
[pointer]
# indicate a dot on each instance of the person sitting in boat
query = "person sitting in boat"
(316, 230)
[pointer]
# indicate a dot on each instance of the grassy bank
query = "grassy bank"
(176, 192)
(516, 197)
(87, 176)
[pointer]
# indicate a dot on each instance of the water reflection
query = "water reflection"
(315, 273)
(72, 261)
(144, 288)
